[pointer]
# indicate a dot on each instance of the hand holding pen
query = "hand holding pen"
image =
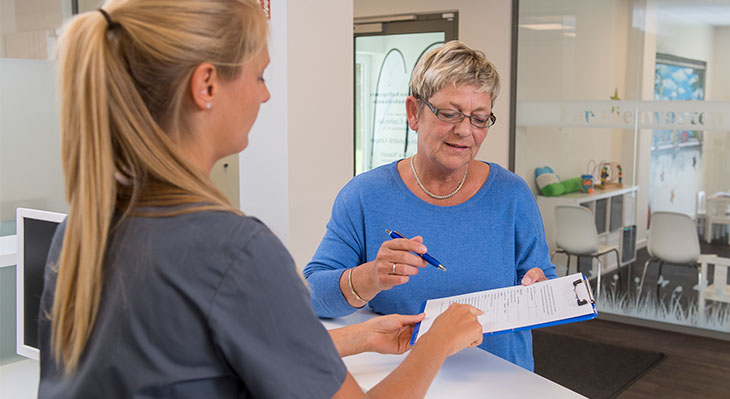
(397, 260)
(428, 258)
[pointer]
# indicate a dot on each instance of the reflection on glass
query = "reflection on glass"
(383, 66)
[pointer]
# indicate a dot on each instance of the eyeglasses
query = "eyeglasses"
(454, 116)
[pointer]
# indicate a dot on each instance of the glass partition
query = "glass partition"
(632, 98)
(30, 148)
(30, 172)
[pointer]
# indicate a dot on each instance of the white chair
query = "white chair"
(672, 239)
(719, 290)
(716, 213)
(575, 234)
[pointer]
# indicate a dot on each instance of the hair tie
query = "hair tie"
(110, 24)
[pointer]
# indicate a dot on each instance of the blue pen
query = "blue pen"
(428, 258)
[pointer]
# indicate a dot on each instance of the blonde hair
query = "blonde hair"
(123, 88)
(455, 64)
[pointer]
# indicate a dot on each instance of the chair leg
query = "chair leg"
(643, 274)
(658, 284)
(598, 281)
(560, 251)
(699, 276)
(700, 297)
(629, 273)
(618, 270)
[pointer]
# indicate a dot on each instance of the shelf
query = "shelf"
(8, 247)
(613, 209)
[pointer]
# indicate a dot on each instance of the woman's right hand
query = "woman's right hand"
(456, 328)
(396, 262)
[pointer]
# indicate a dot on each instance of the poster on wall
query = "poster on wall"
(677, 81)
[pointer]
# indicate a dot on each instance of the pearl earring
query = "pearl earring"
(207, 105)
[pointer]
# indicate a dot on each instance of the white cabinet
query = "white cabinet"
(614, 210)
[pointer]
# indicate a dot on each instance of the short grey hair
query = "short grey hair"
(455, 64)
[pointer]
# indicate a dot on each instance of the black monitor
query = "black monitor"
(35, 231)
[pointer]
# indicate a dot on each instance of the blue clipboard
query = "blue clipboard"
(417, 327)
(581, 302)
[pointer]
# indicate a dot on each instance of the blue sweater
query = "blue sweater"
(489, 241)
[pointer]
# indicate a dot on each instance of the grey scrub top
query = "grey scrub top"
(201, 305)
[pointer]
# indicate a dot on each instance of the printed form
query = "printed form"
(520, 307)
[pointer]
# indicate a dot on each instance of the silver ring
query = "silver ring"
(394, 269)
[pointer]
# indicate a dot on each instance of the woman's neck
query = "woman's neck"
(436, 178)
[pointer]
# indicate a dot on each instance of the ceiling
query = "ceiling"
(694, 12)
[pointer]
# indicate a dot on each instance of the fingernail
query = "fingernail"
(423, 249)
(526, 279)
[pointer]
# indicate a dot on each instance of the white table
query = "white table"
(19, 380)
(471, 373)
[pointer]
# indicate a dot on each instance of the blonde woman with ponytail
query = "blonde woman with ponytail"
(156, 286)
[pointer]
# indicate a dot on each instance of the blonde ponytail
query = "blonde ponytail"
(123, 87)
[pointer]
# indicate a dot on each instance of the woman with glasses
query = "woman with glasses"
(477, 218)
(155, 285)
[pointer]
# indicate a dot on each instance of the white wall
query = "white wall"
(299, 157)
(686, 40)
(264, 165)
(717, 143)
(320, 77)
(718, 71)
(7, 22)
(28, 28)
(485, 25)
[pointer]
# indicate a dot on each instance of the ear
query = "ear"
(204, 85)
(412, 108)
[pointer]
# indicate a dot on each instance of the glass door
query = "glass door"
(386, 51)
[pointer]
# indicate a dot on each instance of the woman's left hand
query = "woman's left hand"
(533, 275)
(391, 334)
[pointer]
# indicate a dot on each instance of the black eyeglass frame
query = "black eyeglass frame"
(491, 119)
